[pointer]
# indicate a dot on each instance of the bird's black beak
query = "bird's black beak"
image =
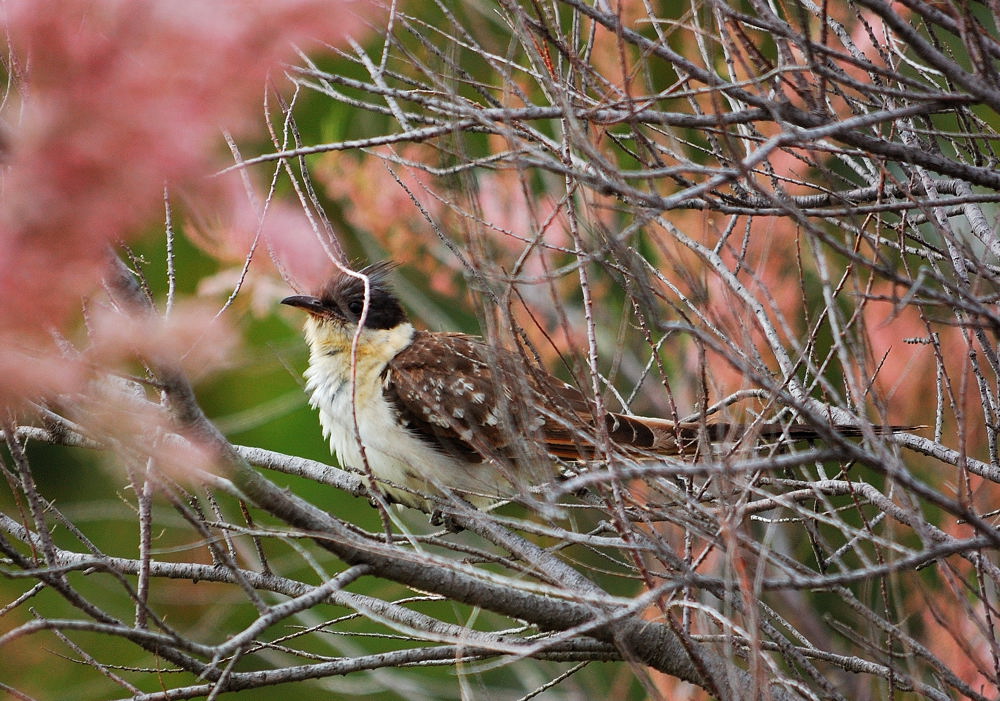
(313, 305)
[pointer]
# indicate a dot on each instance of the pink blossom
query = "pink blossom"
(116, 412)
(191, 338)
(231, 223)
(117, 99)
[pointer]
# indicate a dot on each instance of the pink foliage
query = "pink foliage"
(376, 204)
(190, 338)
(120, 415)
(118, 99)
(231, 227)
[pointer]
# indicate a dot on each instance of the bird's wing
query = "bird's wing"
(473, 400)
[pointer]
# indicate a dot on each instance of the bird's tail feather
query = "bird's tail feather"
(661, 436)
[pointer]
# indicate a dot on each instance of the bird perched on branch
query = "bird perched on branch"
(428, 414)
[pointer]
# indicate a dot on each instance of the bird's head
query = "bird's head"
(335, 313)
(342, 301)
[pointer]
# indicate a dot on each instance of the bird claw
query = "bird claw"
(447, 521)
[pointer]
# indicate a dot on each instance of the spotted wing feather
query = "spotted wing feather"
(472, 400)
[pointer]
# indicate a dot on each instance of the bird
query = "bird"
(432, 415)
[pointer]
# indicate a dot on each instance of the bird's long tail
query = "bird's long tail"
(664, 437)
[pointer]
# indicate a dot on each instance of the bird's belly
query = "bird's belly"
(394, 455)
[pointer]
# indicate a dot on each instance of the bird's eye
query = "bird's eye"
(355, 307)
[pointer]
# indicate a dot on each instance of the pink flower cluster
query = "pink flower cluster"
(112, 101)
